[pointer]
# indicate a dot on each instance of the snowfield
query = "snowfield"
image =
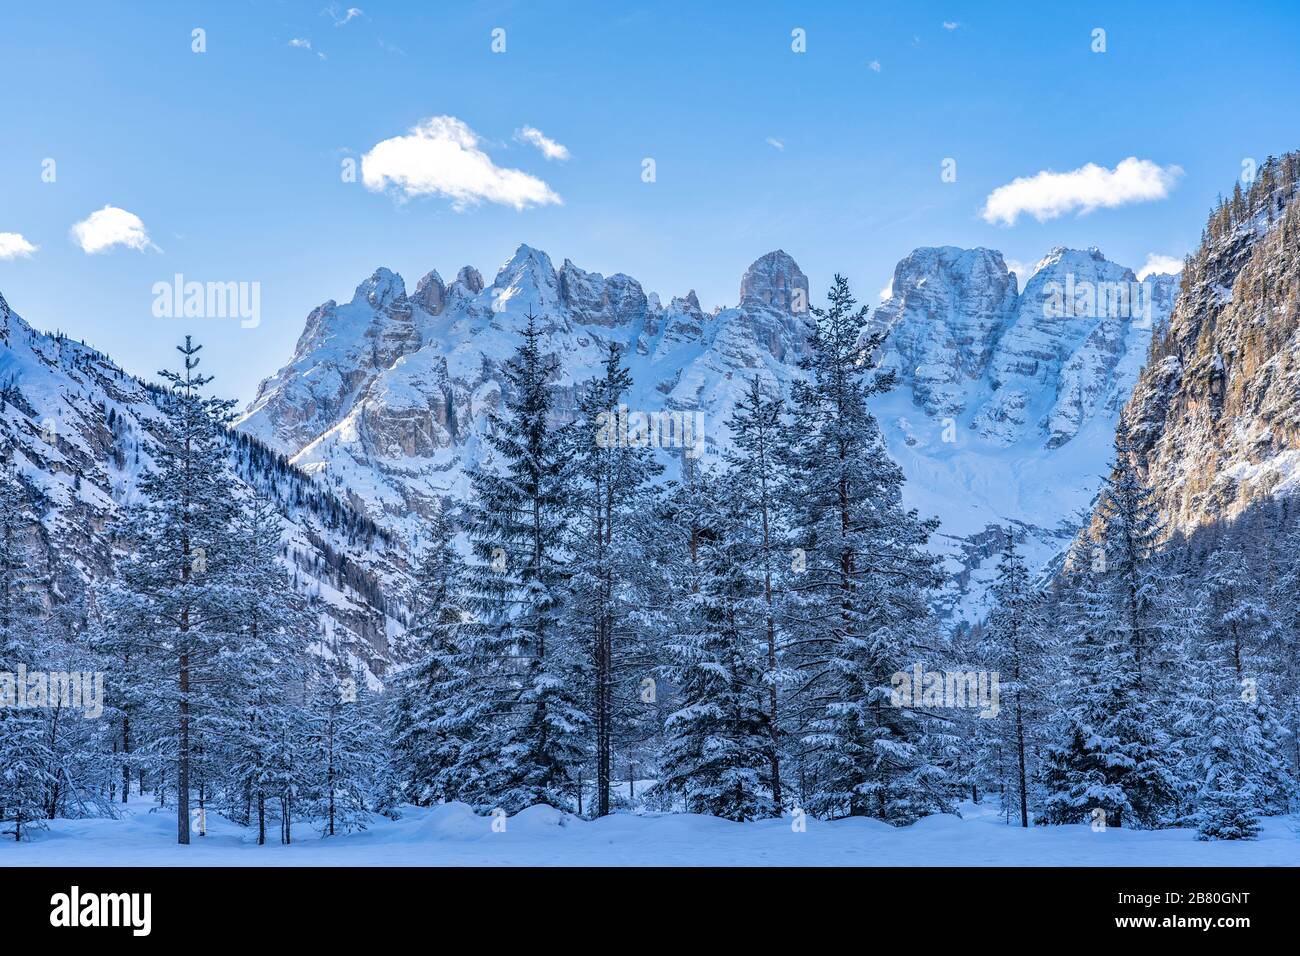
(453, 835)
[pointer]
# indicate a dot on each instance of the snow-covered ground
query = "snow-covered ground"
(452, 835)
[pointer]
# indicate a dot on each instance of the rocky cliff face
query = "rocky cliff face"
(1216, 414)
(946, 313)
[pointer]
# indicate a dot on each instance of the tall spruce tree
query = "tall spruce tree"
(755, 461)
(717, 752)
(1130, 515)
(531, 738)
(610, 498)
(1013, 645)
(1226, 705)
(1109, 759)
(1216, 736)
(858, 610)
(342, 752)
(26, 761)
(269, 656)
(171, 603)
(434, 708)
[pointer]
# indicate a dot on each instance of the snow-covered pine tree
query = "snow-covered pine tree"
(1213, 722)
(1237, 618)
(529, 741)
(609, 498)
(1013, 645)
(717, 751)
(435, 707)
(268, 659)
(858, 611)
(1109, 759)
(171, 601)
(755, 461)
(26, 762)
(1283, 640)
(1130, 515)
(289, 776)
(80, 744)
(682, 522)
(341, 755)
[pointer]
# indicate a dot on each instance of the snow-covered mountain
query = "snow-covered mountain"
(1005, 407)
(1008, 399)
(386, 397)
(1004, 414)
(80, 431)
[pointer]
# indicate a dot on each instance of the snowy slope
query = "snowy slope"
(80, 432)
(452, 835)
(386, 396)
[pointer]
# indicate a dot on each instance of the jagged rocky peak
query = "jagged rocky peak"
(683, 320)
(431, 293)
(981, 272)
(1033, 364)
(946, 309)
(593, 299)
(527, 264)
(774, 281)
(385, 291)
(469, 279)
(527, 281)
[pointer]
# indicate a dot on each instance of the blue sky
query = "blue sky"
(232, 158)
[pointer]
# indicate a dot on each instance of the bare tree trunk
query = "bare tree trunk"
(1020, 753)
(126, 749)
(775, 746)
(183, 768)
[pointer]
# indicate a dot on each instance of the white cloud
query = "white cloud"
(442, 156)
(775, 143)
(888, 291)
(1047, 195)
(13, 246)
(348, 15)
(875, 65)
(950, 24)
(1157, 264)
(302, 43)
(549, 147)
(109, 227)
